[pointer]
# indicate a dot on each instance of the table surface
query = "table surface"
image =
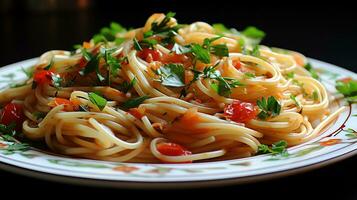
(29, 34)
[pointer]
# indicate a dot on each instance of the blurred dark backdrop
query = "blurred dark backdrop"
(326, 32)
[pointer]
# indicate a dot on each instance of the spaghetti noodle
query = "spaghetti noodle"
(171, 93)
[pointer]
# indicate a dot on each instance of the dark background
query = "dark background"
(326, 32)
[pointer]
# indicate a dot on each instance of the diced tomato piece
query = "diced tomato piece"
(135, 112)
(13, 113)
(68, 105)
(150, 55)
(236, 64)
(175, 58)
(240, 111)
(43, 77)
(172, 149)
(86, 45)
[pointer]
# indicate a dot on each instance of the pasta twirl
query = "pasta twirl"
(170, 93)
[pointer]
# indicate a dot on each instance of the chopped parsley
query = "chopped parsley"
(315, 95)
(97, 100)
(200, 53)
(253, 32)
(269, 107)
(39, 115)
(348, 89)
(163, 30)
(220, 28)
(312, 71)
(278, 148)
(293, 97)
(108, 34)
(7, 132)
(92, 65)
(172, 75)
(48, 67)
(137, 45)
(254, 52)
(222, 85)
(290, 75)
(126, 87)
(249, 75)
(135, 102)
(8, 129)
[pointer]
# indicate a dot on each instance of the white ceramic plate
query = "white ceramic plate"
(337, 142)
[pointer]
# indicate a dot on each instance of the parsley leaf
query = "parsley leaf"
(17, 147)
(312, 71)
(290, 75)
(223, 85)
(133, 103)
(125, 86)
(112, 62)
(254, 52)
(293, 97)
(39, 115)
(137, 45)
(49, 65)
(249, 75)
(148, 43)
(253, 32)
(315, 96)
(270, 107)
(348, 89)
(97, 100)
(201, 53)
(220, 28)
(163, 25)
(92, 62)
(108, 33)
(172, 75)
(8, 129)
(220, 50)
(278, 148)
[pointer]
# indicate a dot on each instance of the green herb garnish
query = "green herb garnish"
(348, 89)
(137, 45)
(290, 75)
(135, 102)
(109, 33)
(278, 148)
(39, 115)
(249, 75)
(293, 97)
(269, 108)
(125, 86)
(48, 67)
(172, 75)
(312, 71)
(222, 85)
(253, 32)
(97, 100)
(315, 96)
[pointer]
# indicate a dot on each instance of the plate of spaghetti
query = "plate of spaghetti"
(174, 105)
